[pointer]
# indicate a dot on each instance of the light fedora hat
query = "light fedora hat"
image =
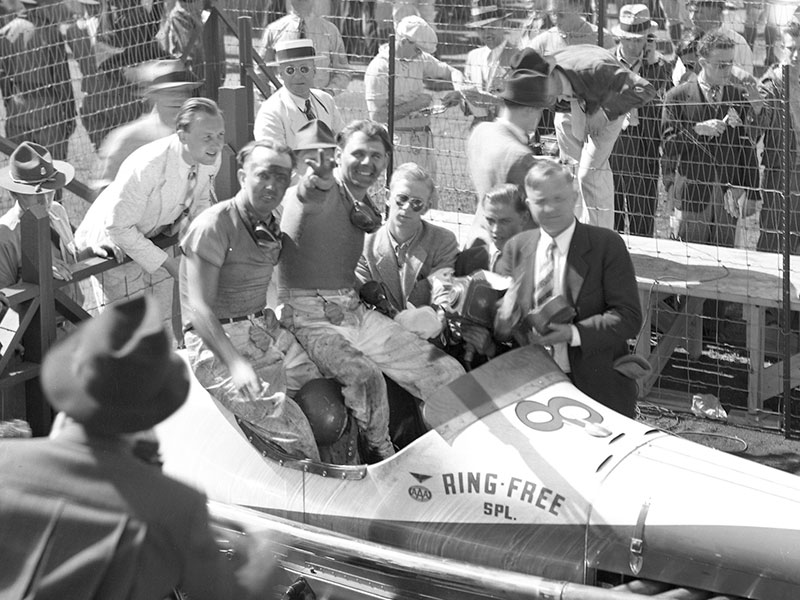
(32, 170)
(287, 51)
(167, 74)
(485, 12)
(634, 22)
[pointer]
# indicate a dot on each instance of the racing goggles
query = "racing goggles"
(365, 217)
(417, 204)
(267, 234)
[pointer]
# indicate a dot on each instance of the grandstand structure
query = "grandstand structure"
(736, 338)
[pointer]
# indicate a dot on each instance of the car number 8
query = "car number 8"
(553, 408)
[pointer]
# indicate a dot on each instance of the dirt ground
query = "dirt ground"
(765, 446)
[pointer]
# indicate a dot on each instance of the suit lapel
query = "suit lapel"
(386, 266)
(413, 265)
(577, 267)
(525, 271)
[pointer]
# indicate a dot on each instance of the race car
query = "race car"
(520, 472)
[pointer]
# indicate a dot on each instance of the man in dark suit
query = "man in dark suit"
(80, 515)
(707, 130)
(591, 269)
(498, 151)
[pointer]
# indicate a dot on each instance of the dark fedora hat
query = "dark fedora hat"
(528, 82)
(529, 59)
(32, 170)
(485, 12)
(166, 75)
(314, 134)
(116, 373)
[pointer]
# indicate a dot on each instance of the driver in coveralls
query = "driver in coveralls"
(325, 219)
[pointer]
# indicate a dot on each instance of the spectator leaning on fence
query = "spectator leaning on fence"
(32, 178)
(635, 159)
(158, 190)
(35, 80)
(773, 88)
(281, 116)
(570, 28)
(708, 127)
(415, 43)
(593, 93)
(486, 66)
(303, 22)
(168, 85)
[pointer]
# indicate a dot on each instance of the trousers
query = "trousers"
(280, 363)
(357, 353)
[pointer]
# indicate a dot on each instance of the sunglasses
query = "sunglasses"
(304, 70)
(417, 204)
(267, 234)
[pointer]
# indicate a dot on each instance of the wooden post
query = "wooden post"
(214, 54)
(37, 268)
(245, 66)
(238, 131)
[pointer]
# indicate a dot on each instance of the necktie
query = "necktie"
(309, 112)
(188, 199)
(545, 280)
(301, 29)
(713, 94)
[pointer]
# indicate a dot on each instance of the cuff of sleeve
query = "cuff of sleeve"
(576, 337)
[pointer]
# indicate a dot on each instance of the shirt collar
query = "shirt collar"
(562, 240)
(518, 131)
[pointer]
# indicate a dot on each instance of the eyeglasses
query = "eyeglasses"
(417, 204)
(304, 70)
(721, 65)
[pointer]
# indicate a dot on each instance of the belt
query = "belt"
(299, 293)
(228, 320)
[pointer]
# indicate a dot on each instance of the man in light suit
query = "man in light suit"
(82, 516)
(498, 151)
(406, 250)
(282, 115)
(592, 271)
(158, 190)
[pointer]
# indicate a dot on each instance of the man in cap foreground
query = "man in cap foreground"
(235, 345)
(169, 85)
(80, 515)
(296, 103)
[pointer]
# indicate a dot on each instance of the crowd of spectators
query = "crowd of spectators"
(362, 299)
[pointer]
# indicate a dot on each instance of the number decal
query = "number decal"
(553, 409)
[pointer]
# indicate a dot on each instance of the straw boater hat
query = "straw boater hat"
(484, 12)
(117, 373)
(527, 82)
(634, 22)
(32, 170)
(287, 51)
(417, 30)
(314, 135)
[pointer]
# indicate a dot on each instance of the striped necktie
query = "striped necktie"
(545, 279)
(301, 29)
